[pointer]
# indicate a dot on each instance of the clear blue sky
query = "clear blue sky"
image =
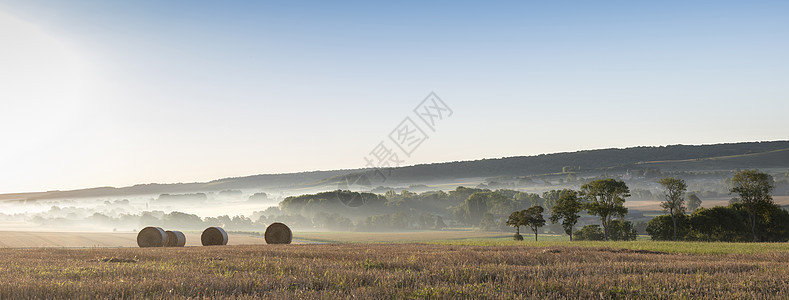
(114, 93)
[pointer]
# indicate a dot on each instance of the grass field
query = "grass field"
(368, 271)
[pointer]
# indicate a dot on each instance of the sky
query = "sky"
(117, 93)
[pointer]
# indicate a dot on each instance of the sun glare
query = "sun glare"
(44, 83)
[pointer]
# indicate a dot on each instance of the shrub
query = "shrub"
(719, 223)
(723, 224)
(620, 230)
(774, 225)
(661, 228)
(589, 233)
(641, 227)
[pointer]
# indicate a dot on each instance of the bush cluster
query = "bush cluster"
(618, 231)
(723, 224)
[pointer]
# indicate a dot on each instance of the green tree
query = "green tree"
(606, 198)
(399, 220)
(460, 214)
(488, 222)
(754, 189)
(719, 224)
(550, 198)
(525, 200)
(516, 220)
(440, 223)
(566, 209)
(693, 202)
(532, 217)
(476, 207)
(422, 220)
(776, 225)
(674, 203)
(499, 204)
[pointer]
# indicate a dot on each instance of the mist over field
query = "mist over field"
(129, 213)
(420, 198)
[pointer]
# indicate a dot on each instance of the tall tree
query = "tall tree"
(476, 207)
(674, 203)
(754, 189)
(532, 217)
(693, 202)
(499, 204)
(528, 199)
(566, 208)
(516, 220)
(440, 223)
(551, 197)
(606, 198)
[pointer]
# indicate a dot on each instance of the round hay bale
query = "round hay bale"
(175, 239)
(278, 233)
(214, 236)
(151, 237)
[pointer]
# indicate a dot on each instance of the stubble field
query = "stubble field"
(408, 270)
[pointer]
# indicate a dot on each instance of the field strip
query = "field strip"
(399, 271)
(34, 239)
(396, 237)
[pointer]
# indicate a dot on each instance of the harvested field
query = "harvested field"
(413, 236)
(388, 271)
(31, 239)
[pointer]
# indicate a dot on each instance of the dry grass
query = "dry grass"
(368, 271)
(395, 237)
(32, 239)
(642, 245)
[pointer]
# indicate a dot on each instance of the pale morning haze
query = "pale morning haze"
(117, 93)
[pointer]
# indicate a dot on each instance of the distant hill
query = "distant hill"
(682, 157)
(676, 157)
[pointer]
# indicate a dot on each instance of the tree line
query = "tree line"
(752, 215)
(463, 207)
(488, 209)
(604, 198)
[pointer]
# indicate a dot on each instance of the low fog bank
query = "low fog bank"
(233, 209)
(481, 204)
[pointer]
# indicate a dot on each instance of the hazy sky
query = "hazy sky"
(114, 93)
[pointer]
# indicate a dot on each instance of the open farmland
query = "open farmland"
(397, 237)
(31, 239)
(389, 270)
